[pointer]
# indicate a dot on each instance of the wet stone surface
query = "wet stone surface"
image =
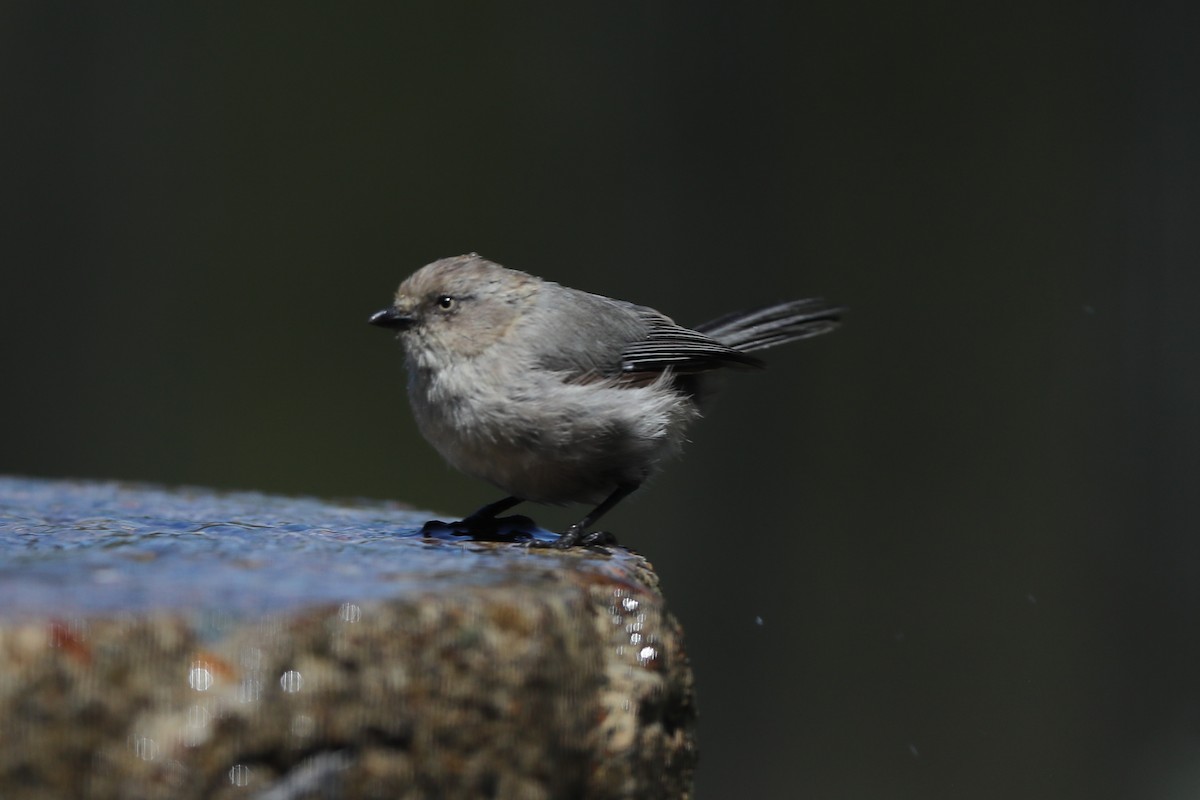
(161, 643)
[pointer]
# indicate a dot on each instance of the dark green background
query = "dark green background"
(966, 521)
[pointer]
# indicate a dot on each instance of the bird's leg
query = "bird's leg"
(488, 513)
(578, 533)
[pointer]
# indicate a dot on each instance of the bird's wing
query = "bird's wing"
(598, 338)
(666, 345)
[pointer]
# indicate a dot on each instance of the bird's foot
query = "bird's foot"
(576, 536)
(516, 528)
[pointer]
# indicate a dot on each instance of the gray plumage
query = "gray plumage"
(556, 395)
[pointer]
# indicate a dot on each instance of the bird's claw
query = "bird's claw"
(575, 537)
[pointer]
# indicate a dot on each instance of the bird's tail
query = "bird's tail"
(776, 324)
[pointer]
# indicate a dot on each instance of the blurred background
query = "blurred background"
(949, 551)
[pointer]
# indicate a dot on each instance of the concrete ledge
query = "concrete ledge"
(191, 644)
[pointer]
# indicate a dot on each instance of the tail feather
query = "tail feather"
(774, 325)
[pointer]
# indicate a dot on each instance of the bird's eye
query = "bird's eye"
(445, 301)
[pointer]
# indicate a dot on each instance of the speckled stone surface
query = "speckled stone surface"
(186, 643)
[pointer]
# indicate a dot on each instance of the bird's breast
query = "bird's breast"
(545, 439)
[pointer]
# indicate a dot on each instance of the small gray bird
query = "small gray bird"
(560, 396)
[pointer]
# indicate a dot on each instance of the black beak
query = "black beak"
(391, 318)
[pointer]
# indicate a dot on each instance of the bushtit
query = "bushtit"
(560, 396)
